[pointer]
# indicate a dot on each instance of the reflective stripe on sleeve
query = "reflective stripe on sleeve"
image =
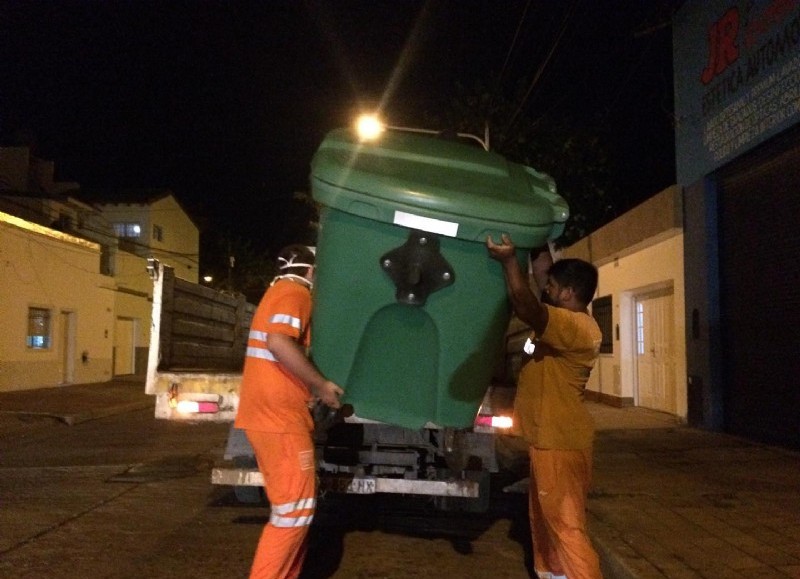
(256, 335)
(286, 319)
(261, 353)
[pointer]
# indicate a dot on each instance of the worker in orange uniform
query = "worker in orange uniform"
(548, 410)
(279, 384)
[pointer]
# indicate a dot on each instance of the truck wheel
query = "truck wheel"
(249, 495)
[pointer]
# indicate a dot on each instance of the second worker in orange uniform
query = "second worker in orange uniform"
(278, 384)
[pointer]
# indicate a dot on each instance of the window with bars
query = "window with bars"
(602, 312)
(38, 328)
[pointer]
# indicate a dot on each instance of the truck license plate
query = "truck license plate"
(362, 486)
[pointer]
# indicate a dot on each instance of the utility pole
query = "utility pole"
(231, 263)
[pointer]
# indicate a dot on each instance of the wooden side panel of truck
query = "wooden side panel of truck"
(197, 342)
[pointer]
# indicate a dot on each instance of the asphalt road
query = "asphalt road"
(127, 496)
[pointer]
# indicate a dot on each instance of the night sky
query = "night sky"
(225, 102)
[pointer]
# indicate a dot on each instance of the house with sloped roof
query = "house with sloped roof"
(75, 293)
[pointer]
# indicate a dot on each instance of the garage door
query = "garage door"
(759, 256)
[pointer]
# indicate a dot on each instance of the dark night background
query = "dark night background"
(225, 102)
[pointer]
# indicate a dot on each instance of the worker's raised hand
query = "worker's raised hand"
(328, 393)
(501, 251)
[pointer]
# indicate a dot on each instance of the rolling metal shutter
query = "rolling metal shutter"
(759, 256)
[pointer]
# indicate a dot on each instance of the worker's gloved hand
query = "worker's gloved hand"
(329, 393)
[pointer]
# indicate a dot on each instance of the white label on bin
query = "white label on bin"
(425, 223)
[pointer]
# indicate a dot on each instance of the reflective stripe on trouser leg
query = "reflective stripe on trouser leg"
(286, 462)
(560, 480)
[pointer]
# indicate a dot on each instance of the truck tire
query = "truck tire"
(249, 495)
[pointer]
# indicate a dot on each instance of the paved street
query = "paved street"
(91, 485)
(128, 496)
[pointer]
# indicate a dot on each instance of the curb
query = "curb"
(618, 559)
(611, 564)
(86, 416)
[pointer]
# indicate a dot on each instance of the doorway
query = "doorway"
(67, 328)
(655, 350)
(124, 346)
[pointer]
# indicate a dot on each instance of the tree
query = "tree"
(562, 147)
(246, 265)
(234, 265)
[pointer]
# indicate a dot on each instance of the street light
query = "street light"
(208, 278)
(369, 127)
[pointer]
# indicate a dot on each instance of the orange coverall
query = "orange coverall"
(273, 411)
(549, 413)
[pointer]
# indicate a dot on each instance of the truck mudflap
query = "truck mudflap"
(359, 485)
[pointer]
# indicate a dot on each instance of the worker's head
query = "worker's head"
(571, 283)
(297, 260)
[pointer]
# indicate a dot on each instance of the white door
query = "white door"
(124, 346)
(655, 351)
(67, 347)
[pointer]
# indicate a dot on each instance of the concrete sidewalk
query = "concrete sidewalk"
(678, 502)
(77, 403)
(667, 500)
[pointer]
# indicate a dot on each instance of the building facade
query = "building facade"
(153, 224)
(640, 306)
(737, 106)
(57, 309)
(75, 295)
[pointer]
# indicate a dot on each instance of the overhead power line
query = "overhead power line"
(542, 66)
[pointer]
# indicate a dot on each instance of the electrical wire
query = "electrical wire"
(542, 67)
(632, 67)
(513, 43)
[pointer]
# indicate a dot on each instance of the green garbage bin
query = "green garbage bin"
(410, 312)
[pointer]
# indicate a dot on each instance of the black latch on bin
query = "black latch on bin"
(417, 268)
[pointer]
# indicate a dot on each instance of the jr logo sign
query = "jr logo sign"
(723, 49)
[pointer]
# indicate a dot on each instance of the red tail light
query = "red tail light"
(194, 407)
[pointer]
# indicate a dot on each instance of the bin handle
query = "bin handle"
(417, 268)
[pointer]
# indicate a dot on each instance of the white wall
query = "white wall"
(624, 278)
(639, 252)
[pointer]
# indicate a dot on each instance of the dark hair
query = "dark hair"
(580, 275)
(295, 253)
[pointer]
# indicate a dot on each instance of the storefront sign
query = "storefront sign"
(737, 79)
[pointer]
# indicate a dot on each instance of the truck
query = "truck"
(409, 317)
(197, 349)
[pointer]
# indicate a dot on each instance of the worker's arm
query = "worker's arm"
(541, 260)
(526, 304)
(292, 357)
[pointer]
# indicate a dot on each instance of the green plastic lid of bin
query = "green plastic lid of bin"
(439, 185)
